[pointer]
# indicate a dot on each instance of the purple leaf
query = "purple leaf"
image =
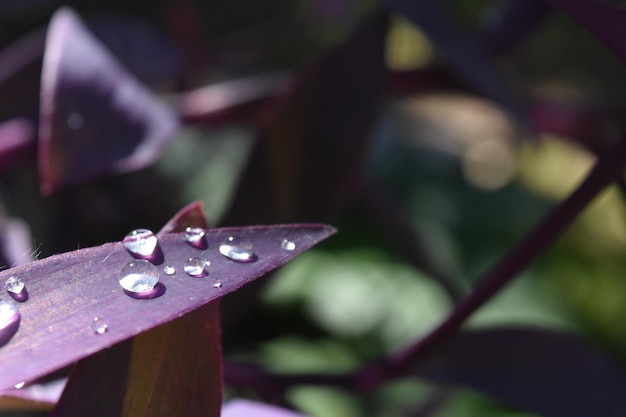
(68, 290)
(463, 54)
(17, 140)
(247, 408)
(552, 374)
(606, 21)
(95, 117)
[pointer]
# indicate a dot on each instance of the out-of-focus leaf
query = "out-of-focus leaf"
(247, 408)
(95, 117)
(150, 374)
(17, 140)
(553, 374)
(464, 55)
(67, 291)
(314, 145)
(227, 100)
(606, 21)
(15, 242)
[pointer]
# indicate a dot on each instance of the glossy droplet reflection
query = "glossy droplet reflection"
(99, 326)
(9, 321)
(139, 276)
(140, 243)
(194, 236)
(237, 248)
(287, 244)
(169, 270)
(217, 284)
(14, 285)
(196, 267)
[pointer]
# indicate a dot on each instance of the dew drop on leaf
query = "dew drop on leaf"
(9, 321)
(169, 270)
(14, 285)
(238, 249)
(139, 276)
(287, 244)
(99, 326)
(140, 243)
(194, 236)
(195, 267)
(217, 284)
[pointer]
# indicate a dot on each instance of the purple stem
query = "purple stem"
(606, 169)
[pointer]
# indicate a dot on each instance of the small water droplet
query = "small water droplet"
(287, 244)
(9, 321)
(14, 285)
(139, 276)
(195, 267)
(169, 270)
(217, 284)
(237, 248)
(75, 121)
(99, 326)
(20, 385)
(194, 236)
(141, 243)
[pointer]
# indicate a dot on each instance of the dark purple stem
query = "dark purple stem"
(606, 169)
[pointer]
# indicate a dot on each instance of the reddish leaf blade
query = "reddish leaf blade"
(67, 291)
(247, 408)
(192, 215)
(552, 374)
(95, 117)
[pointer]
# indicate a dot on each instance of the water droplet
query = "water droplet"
(9, 321)
(141, 243)
(75, 121)
(99, 326)
(287, 244)
(196, 267)
(139, 276)
(14, 285)
(169, 270)
(195, 237)
(217, 284)
(238, 249)
(20, 385)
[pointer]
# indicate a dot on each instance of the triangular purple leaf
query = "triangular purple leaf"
(95, 117)
(552, 374)
(67, 291)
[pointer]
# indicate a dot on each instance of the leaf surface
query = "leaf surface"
(67, 291)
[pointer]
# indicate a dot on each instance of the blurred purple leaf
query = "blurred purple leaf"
(95, 117)
(606, 21)
(17, 141)
(312, 146)
(15, 242)
(464, 54)
(68, 290)
(555, 375)
(247, 408)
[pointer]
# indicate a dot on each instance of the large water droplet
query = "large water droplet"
(287, 244)
(139, 276)
(141, 243)
(196, 267)
(99, 326)
(169, 270)
(238, 249)
(9, 321)
(194, 236)
(14, 285)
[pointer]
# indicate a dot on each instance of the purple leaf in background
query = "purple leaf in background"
(464, 55)
(606, 21)
(17, 140)
(247, 408)
(95, 117)
(555, 375)
(68, 291)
